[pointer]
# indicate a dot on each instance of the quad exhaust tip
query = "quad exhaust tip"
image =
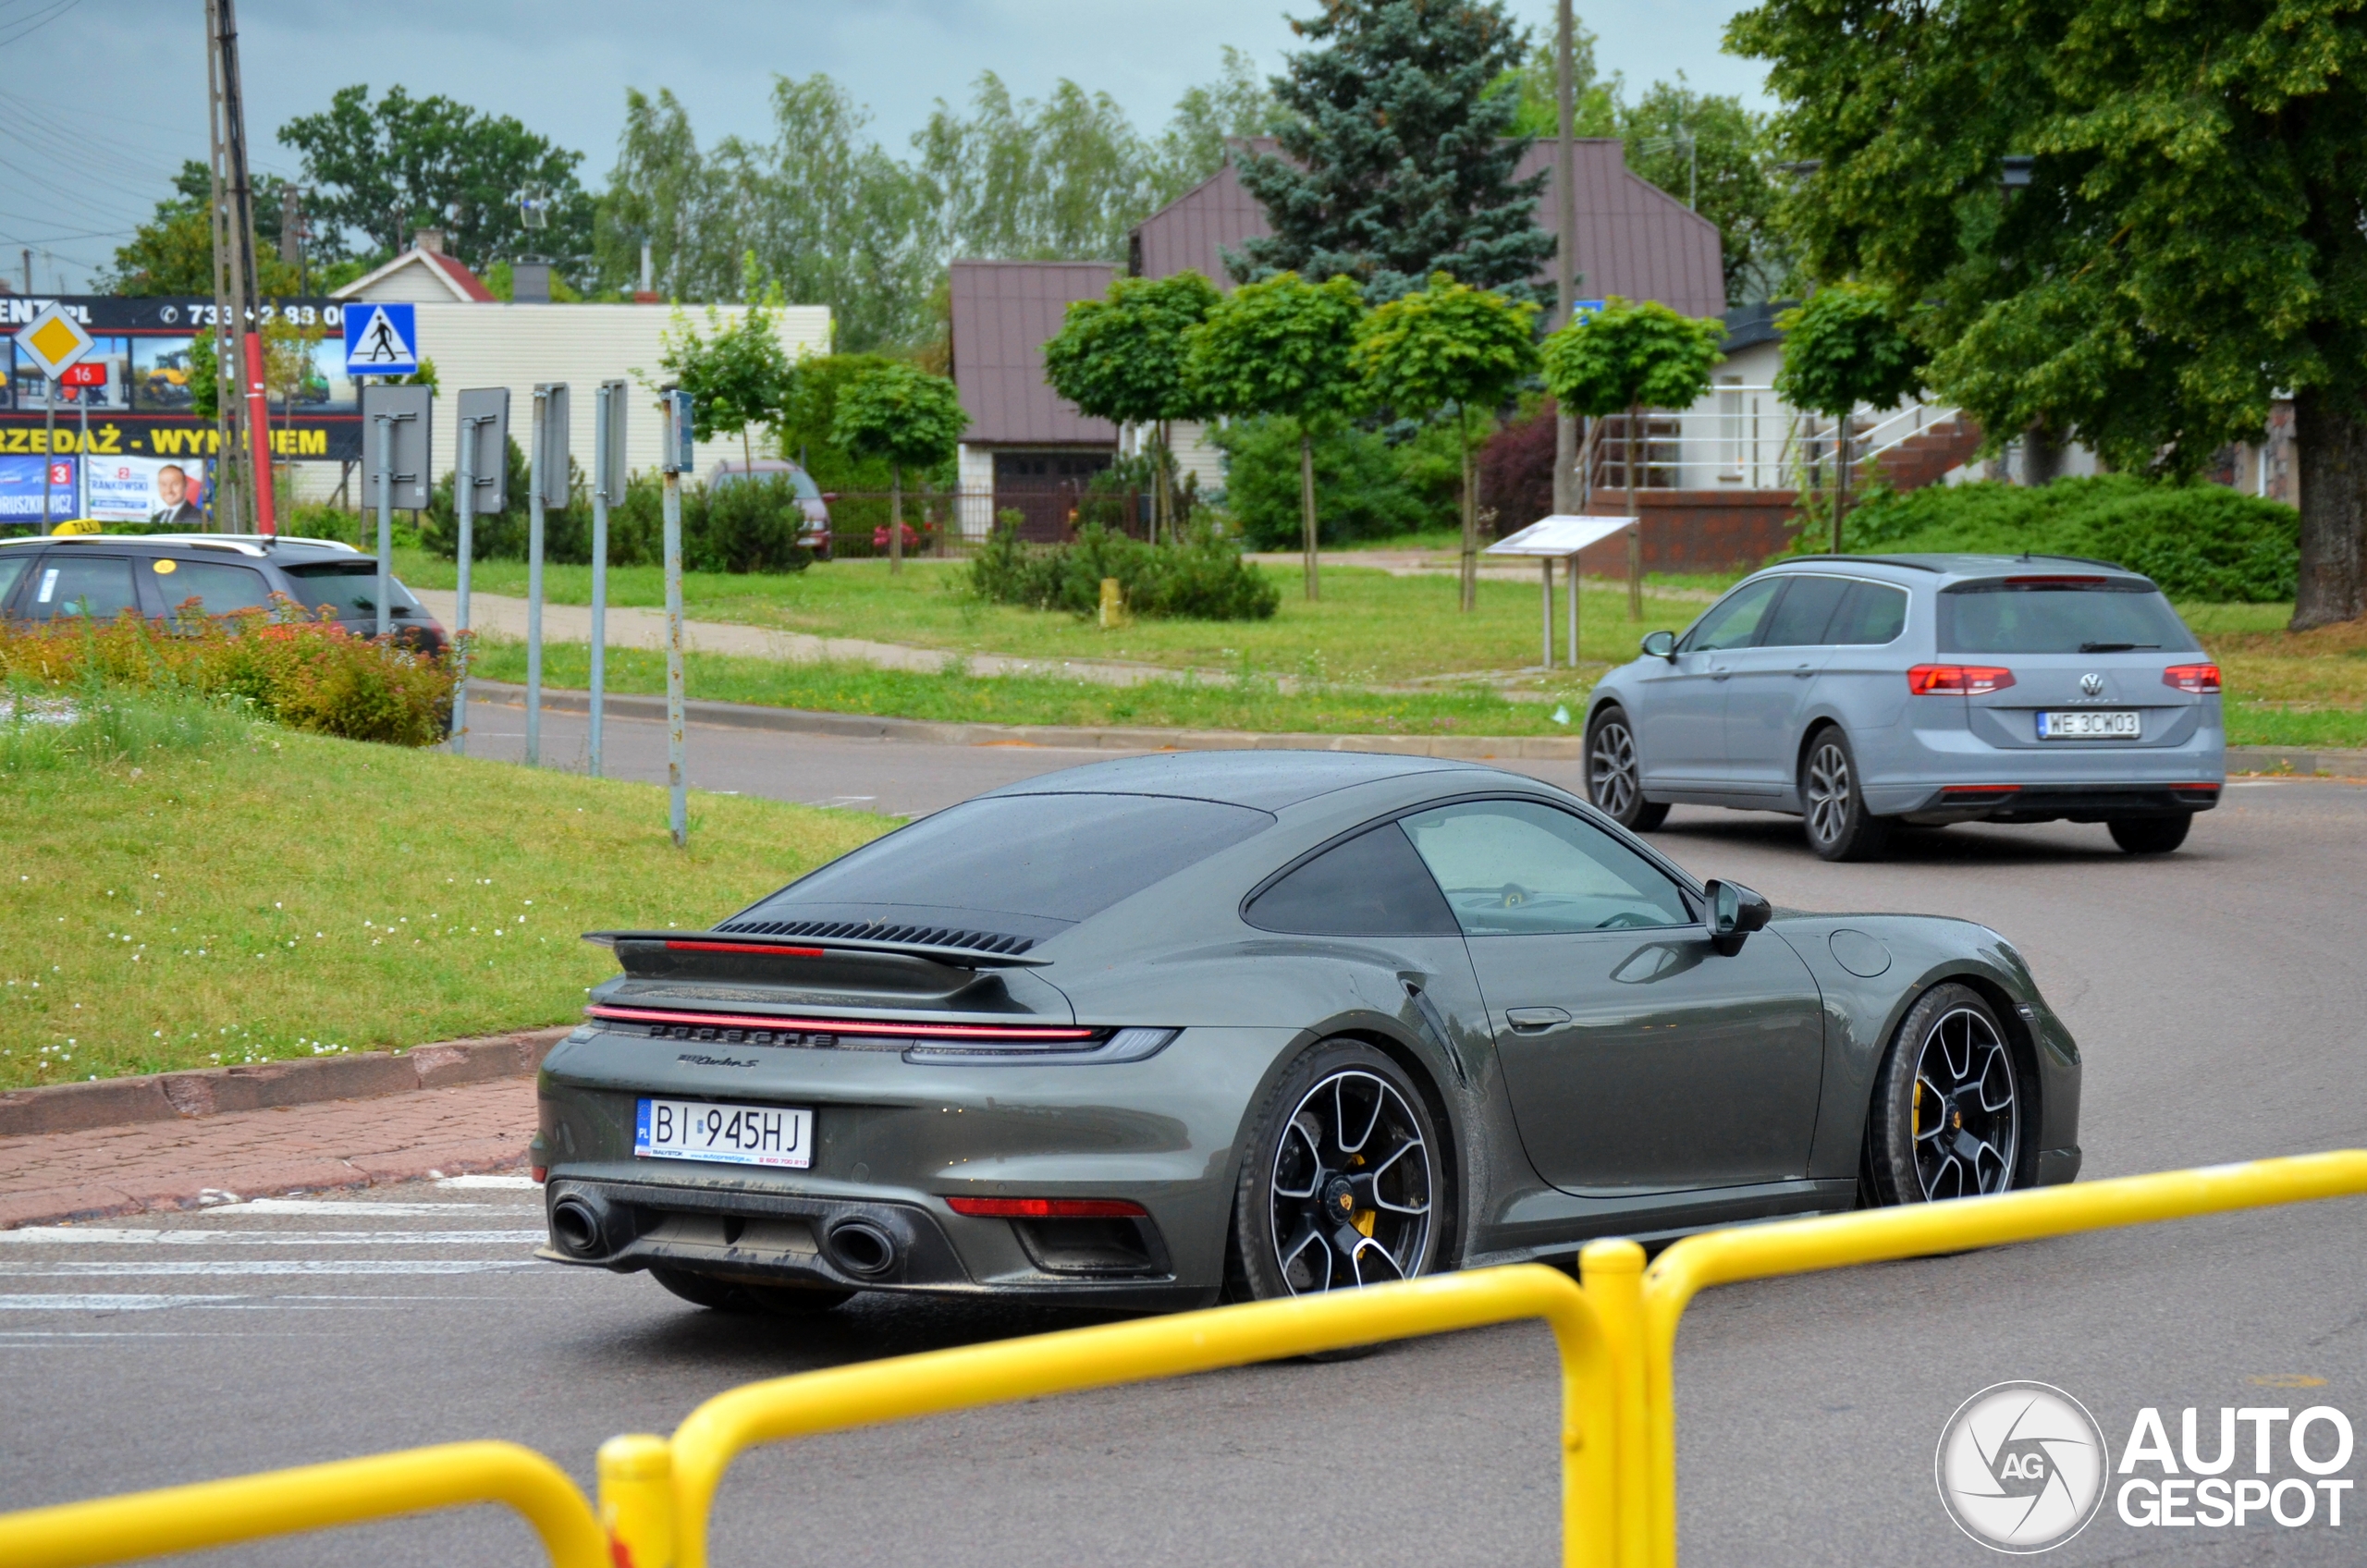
(576, 1225)
(861, 1248)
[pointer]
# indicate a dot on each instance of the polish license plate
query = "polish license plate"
(734, 1134)
(2088, 725)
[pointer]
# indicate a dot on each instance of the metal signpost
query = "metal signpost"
(607, 490)
(54, 341)
(547, 488)
(1560, 536)
(677, 408)
(480, 463)
(395, 464)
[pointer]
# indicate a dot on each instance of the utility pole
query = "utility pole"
(1565, 261)
(229, 494)
(291, 231)
(240, 218)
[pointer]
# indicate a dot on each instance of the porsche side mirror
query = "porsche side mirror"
(1661, 645)
(1734, 912)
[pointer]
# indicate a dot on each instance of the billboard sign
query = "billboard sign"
(21, 484)
(170, 491)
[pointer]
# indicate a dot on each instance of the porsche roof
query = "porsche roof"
(1268, 780)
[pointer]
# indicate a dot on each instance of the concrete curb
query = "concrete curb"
(211, 1091)
(871, 726)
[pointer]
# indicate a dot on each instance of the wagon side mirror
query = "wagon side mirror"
(1734, 912)
(1661, 645)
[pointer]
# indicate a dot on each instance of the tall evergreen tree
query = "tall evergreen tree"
(1397, 160)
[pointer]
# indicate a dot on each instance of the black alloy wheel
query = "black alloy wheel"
(736, 1295)
(1833, 807)
(1345, 1184)
(1950, 1110)
(2150, 834)
(1614, 776)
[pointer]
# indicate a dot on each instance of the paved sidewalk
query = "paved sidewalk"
(126, 1170)
(638, 627)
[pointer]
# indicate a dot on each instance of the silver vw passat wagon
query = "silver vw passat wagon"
(1859, 693)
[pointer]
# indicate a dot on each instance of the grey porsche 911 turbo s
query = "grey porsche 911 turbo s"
(1204, 1026)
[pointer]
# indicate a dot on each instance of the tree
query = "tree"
(1842, 350)
(403, 163)
(904, 415)
(1713, 153)
(1122, 358)
(1399, 161)
(2188, 244)
(738, 376)
(1284, 347)
(1210, 118)
(173, 251)
(1448, 346)
(1621, 359)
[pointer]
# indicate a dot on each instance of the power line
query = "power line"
(42, 19)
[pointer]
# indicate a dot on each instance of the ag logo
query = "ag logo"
(2021, 1467)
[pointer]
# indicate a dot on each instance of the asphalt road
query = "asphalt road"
(2218, 995)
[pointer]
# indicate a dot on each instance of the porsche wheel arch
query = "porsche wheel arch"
(2020, 1036)
(1450, 1111)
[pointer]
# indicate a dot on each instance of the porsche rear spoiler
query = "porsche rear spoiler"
(816, 946)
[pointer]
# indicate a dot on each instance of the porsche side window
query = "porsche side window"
(1734, 621)
(1373, 886)
(1514, 867)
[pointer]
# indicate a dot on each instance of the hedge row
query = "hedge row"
(304, 673)
(2199, 541)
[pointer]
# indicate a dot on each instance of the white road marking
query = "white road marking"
(358, 1207)
(62, 1302)
(275, 1265)
(505, 1183)
(97, 1235)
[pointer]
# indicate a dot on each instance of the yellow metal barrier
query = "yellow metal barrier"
(315, 1497)
(1799, 1247)
(704, 1445)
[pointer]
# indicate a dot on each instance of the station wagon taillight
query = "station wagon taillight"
(2201, 679)
(1958, 679)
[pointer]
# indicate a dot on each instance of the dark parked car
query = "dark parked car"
(102, 575)
(1157, 1032)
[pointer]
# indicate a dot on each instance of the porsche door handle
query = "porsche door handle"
(1528, 1019)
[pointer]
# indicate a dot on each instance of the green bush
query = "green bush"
(749, 526)
(1362, 489)
(1202, 579)
(283, 665)
(2199, 541)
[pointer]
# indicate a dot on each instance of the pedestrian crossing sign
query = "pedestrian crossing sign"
(381, 339)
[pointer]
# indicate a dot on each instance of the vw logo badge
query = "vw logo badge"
(2092, 684)
(2022, 1467)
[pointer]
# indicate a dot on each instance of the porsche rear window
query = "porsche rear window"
(2060, 615)
(1052, 857)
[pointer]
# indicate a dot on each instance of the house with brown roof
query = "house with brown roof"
(424, 275)
(1025, 447)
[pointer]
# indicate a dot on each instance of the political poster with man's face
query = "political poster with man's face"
(144, 489)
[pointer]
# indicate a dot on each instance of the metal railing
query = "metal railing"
(1616, 1340)
(1744, 438)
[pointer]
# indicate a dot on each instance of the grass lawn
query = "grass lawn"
(1183, 702)
(286, 894)
(1369, 629)
(2286, 689)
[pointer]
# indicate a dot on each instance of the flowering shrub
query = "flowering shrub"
(304, 673)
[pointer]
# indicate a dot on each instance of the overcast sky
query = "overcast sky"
(104, 98)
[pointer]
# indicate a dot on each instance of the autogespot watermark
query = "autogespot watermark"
(2023, 1468)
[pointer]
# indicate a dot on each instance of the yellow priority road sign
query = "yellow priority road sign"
(53, 340)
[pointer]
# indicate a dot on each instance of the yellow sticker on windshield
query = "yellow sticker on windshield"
(165, 566)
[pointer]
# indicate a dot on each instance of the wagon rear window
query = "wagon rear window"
(1052, 857)
(2060, 615)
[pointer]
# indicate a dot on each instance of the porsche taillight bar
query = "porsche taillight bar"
(769, 948)
(836, 1025)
